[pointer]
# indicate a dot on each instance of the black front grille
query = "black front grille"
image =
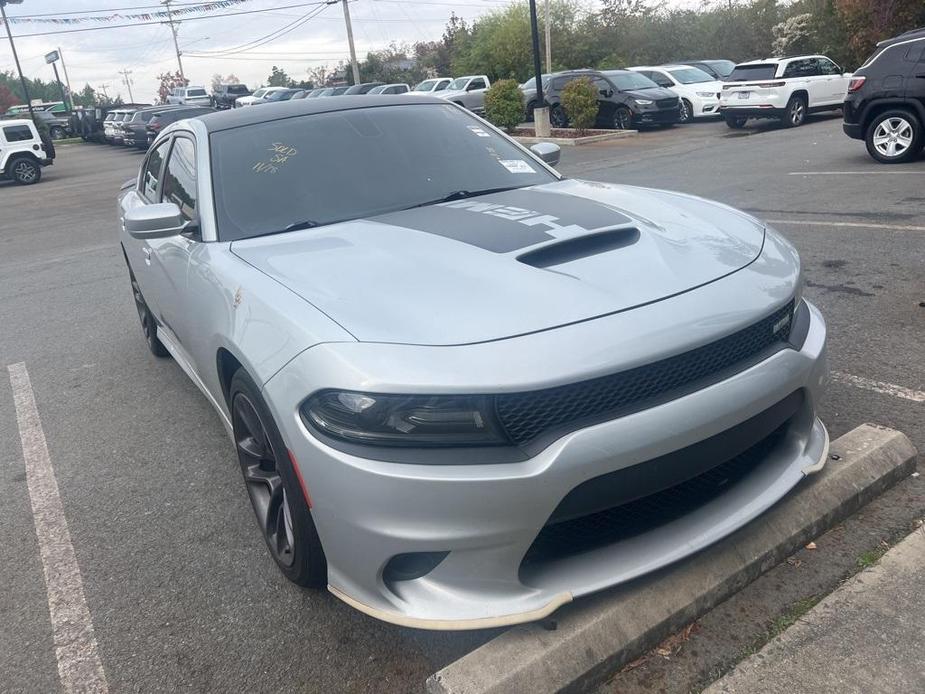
(527, 416)
(586, 533)
(668, 103)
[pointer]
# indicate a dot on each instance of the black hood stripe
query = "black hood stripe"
(509, 221)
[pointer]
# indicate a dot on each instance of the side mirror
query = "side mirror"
(156, 221)
(547, 151)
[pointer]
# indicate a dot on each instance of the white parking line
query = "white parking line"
(851, 225)
(79, 665)
(856, 173)
(879, 386)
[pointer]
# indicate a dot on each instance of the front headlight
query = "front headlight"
(706, 95)
(405, 420)
(644, 102)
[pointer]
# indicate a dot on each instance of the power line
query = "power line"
(186, 19)
(267, 38)
(112, 9)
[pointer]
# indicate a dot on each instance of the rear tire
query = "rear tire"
(148, 323)
(894, 137)
(557, 117)
(736, 122)
(273, 487)
(57, 133)
(795, 112)
(24, 170)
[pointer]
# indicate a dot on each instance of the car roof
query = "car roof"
(15, 121)
(238, 117)
(765, 61)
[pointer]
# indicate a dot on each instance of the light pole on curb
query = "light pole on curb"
(22, 80)
(541, 112)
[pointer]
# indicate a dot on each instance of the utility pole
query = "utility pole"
(128, 83)
(67, 80)
(22, 80)
(548, 41)
(353, 52)
(173, 30)
(541, 112)
(104, 87)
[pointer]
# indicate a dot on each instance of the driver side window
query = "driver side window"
(151, 174)
(476, 84)
(180, 177)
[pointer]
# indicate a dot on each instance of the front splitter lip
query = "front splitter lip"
(455, 624)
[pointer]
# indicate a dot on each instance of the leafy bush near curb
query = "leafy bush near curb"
(504, 104)
(579, 99)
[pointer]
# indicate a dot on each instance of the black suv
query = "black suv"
(224, 96)
(885, 105)
(626, 99)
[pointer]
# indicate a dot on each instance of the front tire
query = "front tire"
(687, 112)
(894, 137)
(57, 133)
(622, 118)
(25, 170)
(795, 112)
(557, 117)
(273, 487)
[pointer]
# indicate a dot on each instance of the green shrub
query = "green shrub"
(579, 99)
(504, 104)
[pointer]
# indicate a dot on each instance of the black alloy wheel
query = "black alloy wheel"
(687, 112)
(557, 117)
(622, 118)
(273, 488)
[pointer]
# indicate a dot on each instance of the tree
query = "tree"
(278, 78)
(86, 97)
(218, 80)
(796, 34)
(168, 82)
(504, 104)
(7, 98)
(870, 21)
(579, 99)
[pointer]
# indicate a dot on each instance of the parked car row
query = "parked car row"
(273, 94)
(137, 127)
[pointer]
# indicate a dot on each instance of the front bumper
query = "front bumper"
(657, 117)
(487, 517)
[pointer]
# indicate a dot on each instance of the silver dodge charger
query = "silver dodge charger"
(462, 388)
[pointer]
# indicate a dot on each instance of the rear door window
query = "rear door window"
(17, 133)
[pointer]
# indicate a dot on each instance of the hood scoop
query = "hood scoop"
(580, 247)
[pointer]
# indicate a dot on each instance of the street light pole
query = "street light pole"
(548, 40)
(22, 80)
(67, 80)
(541, 112)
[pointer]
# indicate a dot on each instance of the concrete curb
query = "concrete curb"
(570, 141)
(584, 642)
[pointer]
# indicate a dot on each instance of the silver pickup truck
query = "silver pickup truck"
(467, 91)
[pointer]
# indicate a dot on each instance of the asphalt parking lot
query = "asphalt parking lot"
(181, 591)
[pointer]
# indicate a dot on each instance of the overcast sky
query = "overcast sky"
(97, 57)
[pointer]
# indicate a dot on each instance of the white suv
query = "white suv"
(699, 92)
(22, 152)
(783, 88)
(189, 96)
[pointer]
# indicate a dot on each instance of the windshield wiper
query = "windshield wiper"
(463, 194)
(304, 224)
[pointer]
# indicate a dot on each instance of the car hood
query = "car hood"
(653, 93)
(509, 263)
(447, 94)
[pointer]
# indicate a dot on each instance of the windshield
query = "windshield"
(237, 89)
(690, 75)
(425, 86)
(377, 90)
(195, 92)
(630, 80)
(330, 167)
(458, 84)
(745, 73)
(259, 93)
